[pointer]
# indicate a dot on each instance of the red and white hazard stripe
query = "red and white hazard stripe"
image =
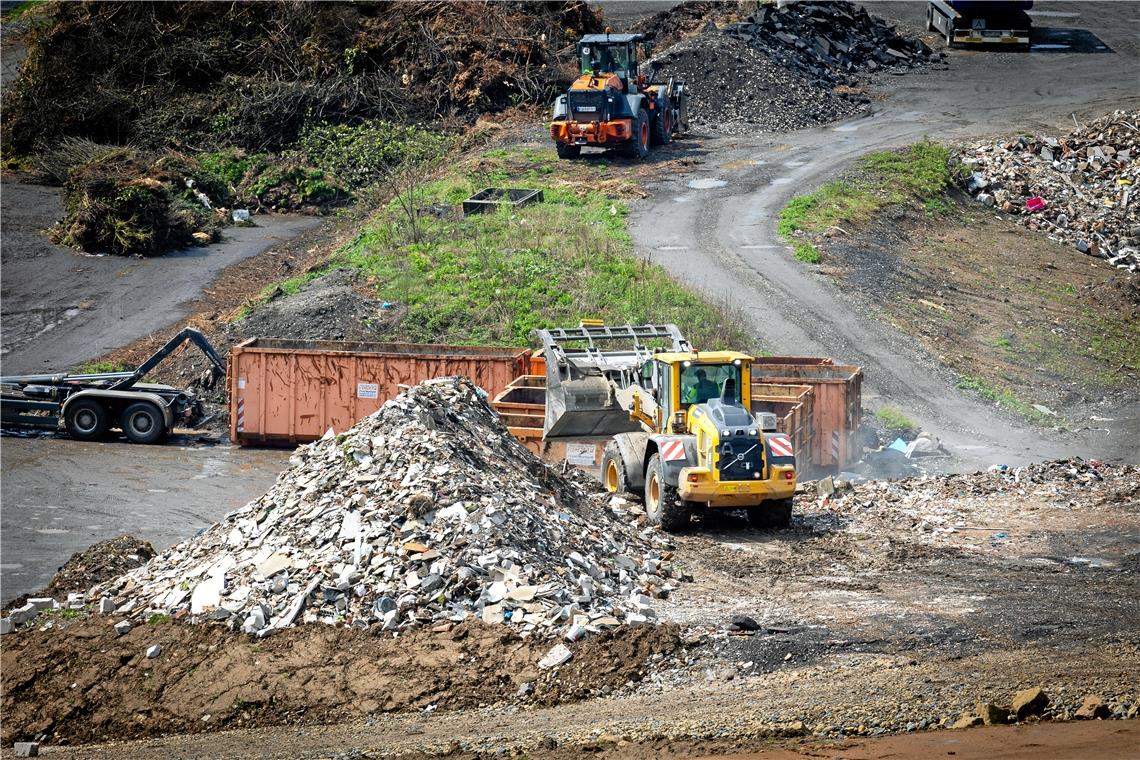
(672, 450)
(241, 415)
(780, 445)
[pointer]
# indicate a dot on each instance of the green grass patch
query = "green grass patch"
(1002, 397)
(493, 278)
(91, 368)
(895, 423)
(805, 252)
(919, 174)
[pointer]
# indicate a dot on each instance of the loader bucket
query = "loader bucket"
(584, 408)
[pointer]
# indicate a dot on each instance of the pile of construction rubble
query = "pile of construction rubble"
(1080, 188)
(782, 68)
(940, 506)
(426, 512)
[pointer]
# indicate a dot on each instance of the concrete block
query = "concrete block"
(6, 626)
(106, 605)
(27, 749)
(153, 651)
(43, 603)
(123, 627)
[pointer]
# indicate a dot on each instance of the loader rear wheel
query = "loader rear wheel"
(613, 470)
(771, 514)
(663, 506)
(566, 150)
(142, 422)
(639, 147)
(86, 419)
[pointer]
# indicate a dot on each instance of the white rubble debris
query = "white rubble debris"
(426, 511)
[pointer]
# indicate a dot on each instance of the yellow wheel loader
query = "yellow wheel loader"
(679, 422)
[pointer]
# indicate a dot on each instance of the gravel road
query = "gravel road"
(722, 239)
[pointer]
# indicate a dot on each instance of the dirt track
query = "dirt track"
(723, 240)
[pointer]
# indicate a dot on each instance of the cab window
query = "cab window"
(701, 382)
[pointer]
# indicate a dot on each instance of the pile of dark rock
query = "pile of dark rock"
(1079, 188)
(830, 43)
(428, 512)
(786, 68)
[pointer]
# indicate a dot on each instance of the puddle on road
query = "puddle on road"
(780, 181)
(682, 199)
(52, 530)
(846, 128)
(707, 183)
(794, 164)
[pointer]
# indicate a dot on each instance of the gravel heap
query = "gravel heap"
(426, 512)
(735, 89)
(830, 42)
(1080, 189)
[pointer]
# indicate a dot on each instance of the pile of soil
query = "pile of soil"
(331, 307)
(95, 564)
(253, 74)
(79, 682)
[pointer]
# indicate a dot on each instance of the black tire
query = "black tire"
(142, 422)
(771, 514)
(566, 150)
(663, 506)
(639, 145)
(682, 123)
(663, 124)
(613, 470)
(86, 419)
(929, 19)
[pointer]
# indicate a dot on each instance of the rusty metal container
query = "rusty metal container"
(793, 406)
(291, 391)
(836, 407)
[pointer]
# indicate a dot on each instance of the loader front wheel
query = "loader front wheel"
(86, 419)
(663, 505)
(639, 146)
(663, 125)
(613, 470)
(142, 422)
(771, 514)
(566, 150)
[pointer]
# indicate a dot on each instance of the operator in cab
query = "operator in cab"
(700, 391)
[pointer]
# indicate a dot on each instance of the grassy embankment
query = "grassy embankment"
(492, 278)
(1020, 319)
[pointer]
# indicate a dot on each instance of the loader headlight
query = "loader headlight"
(725, 433)
(752, 431)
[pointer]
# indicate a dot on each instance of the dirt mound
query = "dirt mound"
(330, 307)
(425, 512)
(79, 682)
(253, 74)
(736, 89)
(669, 26)
(95, 564)
(1077, 188)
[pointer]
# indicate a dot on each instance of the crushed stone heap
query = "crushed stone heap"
(1080, 189)
(425, 512)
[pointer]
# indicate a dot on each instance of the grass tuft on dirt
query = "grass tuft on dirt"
(895, 423)
(492, 278)
(917, 174)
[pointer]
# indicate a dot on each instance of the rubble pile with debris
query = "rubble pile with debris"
(786, 68)
(1080, 188)
(426, 513)
(940, 506)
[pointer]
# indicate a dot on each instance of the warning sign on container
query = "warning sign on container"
(580, 453)
(367, 390)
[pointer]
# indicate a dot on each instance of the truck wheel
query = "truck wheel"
(566, 150)
(639, 146)
(771, 514)
(663, 125)
(662, 504)
(143, 423)
(86, 419)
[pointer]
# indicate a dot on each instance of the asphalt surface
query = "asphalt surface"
(60, 496)
(62, 308)
(722, 239)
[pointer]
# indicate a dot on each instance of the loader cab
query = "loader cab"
(680, 381)
(610, 54)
